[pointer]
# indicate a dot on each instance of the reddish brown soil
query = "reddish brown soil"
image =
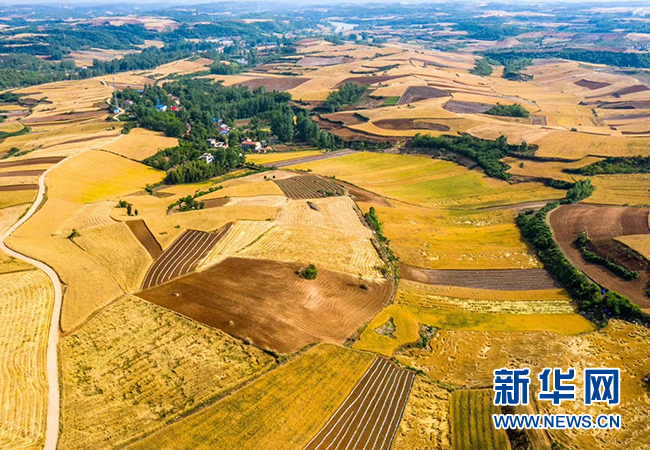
(267, 303)
(19, 187)
(631, 89)
(602, 224)
(344, 118)
(395, 124)
(499, 280)
(309, 186)
(22, 173)
(142, 232)
(215, 202)
(370, 415)
(430, 126)
(418, 93)
(460, 107)
(32, 161)
(592, 85)
(306, 159)
(368, 80)
(362, 196)
(356, 135)
(182, 256)
(642, 104)
(274, 84)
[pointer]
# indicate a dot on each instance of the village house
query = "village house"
(207, 157)
(217, 143)
(251, 146)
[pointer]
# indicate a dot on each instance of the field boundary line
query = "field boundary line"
(52, 360)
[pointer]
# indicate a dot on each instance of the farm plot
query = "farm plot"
(276, 157)
(305, 159)
(419, 93)
(25, 309)
(274, 308)
(504, 280)
(471, 421)
(463, 107)
(279, 84)
(281, 410)
(143, 234)
(140, 144)
(309, 186)
(370, 415)
(88, 216)
(9, 216)
(603, 224)
(135, 366)
(118, 251)
(31, 161)
(182, 256)
(17, 194)
(241, 234)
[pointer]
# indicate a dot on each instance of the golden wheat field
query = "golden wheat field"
(471, 421)
(140, 144)
(282, 409)
(118, 251)
(25, 309)
(9, 216)
(138, 366)
(238, 236)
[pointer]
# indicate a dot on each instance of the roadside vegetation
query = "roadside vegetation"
(615, 165)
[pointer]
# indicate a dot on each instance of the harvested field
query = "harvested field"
(409, 124)
(503, 280)
(462, 107)
(368, 80)
(215, 202)
(143, 234)
(118, 251)
(279, 84)
(275, 308)
(362, 195)
(620, 344)
(9, 216)
(471, 421)
(135, 366)
(628, 189)
(16, 195)
(425, 422)
(408, 319)
(25, 311)
(19, 187)
(88, 216)
(140, 144)
(240, 235)
(282, 410)
(78, 180)
(182, 256)
(309, 186)
(419, 93)
(537, 119)
(316, 61)
(275, 157)
(591, 85)
(306, 159)
(603, 224)
(370, 415)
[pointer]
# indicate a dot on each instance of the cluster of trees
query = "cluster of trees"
(479, 29)
(582, 243)
(348, 94)
(611, 165)
(482, 67)
(514, 110)
(373, 222)
(308, 131)
(534, 228)
(221, 68)
(579, 191)
(188, 203)
(611, 58)
(486, 153)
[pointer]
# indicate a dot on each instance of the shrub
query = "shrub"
(308, 273)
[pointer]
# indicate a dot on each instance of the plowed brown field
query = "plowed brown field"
(266, 302)
(309, 186)
(602, 224)
(142, 232)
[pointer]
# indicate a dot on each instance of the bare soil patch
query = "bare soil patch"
(591, 85)
(274, 84)
(418, 93)
(500, 280)
(309, 186)
(363, 196)
(632, 89)
(461, 107)
(19, 187)
(215, 202)
(22, 173)
(142, 232)
(272, 306)
(602, 224)
(32, 161)
(66, 117)
(538, 120)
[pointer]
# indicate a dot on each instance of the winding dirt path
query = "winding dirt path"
(52, 366)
